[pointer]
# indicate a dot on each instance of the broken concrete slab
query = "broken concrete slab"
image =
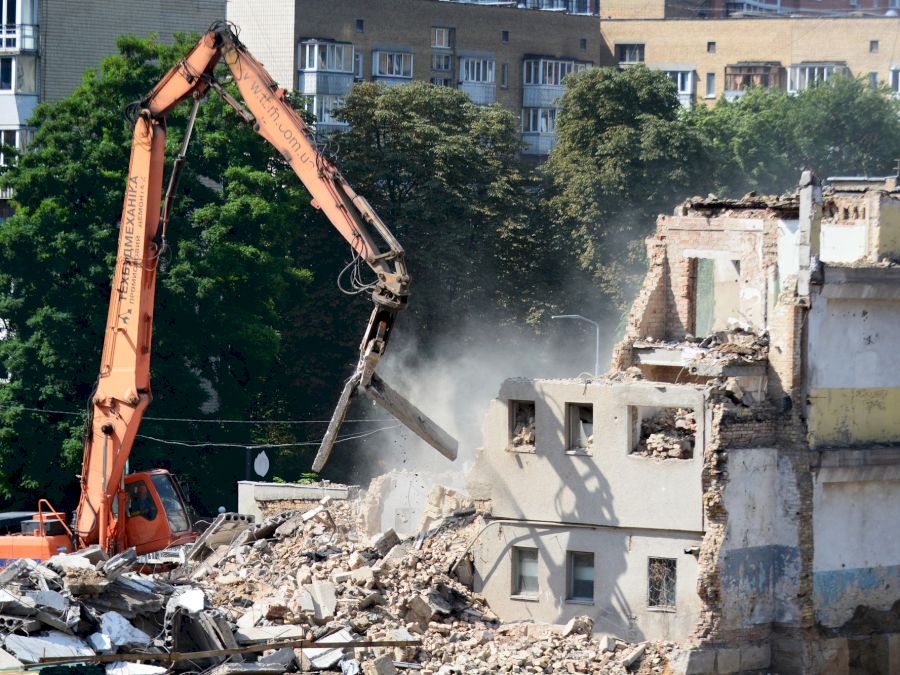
(101, 643)
(634, 656)
(325, 600)
(8, 661)
(257, 668)
(191, 600)
(257, 634)
(94, 554)
(51, 645)
(582, 625)
(224, 530)
(384, 542)
(383, 665)
(118, 564)
(17, 605)
(127, 668)
(121, 632)
(49, 600)
(321, 658)
(426, 608)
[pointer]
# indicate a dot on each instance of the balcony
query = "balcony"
(325, 67)
(538, 143)
(18, 38)
(543, 80)
(739, 77)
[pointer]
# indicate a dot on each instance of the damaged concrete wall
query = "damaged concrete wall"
(857, 555)
(595, 487)
(760, 558)
(853, 372)
(620, 598)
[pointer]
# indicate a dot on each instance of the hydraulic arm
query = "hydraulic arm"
(123, 389)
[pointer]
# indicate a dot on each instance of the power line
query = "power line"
(48, 411)
(262, 446)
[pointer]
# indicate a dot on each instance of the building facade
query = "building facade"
(731, 483)
(45, 48)
(709, 59)
(517, 57)
(722, 9)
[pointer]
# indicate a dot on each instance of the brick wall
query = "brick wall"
(75, 36)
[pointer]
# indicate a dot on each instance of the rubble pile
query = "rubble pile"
(302, 574)
(669, 434)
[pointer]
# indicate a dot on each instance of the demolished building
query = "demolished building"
(731, 484)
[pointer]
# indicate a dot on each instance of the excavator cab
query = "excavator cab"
(155, 515)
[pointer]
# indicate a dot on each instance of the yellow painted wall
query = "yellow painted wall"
(854, 416)
(788, 41)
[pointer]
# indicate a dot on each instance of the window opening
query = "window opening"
(579, 426)
(521, 415)
(581, 576)
(663, 433)
(525, 571)
(140, 501)
(630, 53)
(661, 582)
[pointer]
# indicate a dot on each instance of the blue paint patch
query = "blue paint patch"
(759, 584)
(836, 593)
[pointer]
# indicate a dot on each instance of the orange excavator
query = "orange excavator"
(146, 510)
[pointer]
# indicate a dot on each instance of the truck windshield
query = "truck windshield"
(178, 520)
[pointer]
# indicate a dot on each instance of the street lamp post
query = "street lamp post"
(596, 326)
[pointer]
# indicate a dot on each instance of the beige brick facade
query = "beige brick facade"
(707, 46)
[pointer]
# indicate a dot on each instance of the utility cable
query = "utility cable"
(262, 446)
(201, 421)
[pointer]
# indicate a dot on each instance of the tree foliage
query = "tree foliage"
(763, 140)
(623, 155)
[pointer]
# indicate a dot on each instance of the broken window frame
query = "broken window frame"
(662, 577)
(511, 425)
(571, 576)
(573, 446)
(518, 579)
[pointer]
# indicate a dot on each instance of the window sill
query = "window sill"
(576, 601)
(664, 610)
(709, 98)
(579, 452)
(523, 449)
(525, 598)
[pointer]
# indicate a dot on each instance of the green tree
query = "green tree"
(444, 174)
(762, 141)
(624, 154)
(227, 286)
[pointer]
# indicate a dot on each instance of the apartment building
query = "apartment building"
(721, 9)
(731, 484)
(711, 58)
(45, 47)
(511, 55)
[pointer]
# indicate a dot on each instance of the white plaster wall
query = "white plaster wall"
(759, 563)
(609, 486)
(843, 243)
(853, 343)
(855, 517)
(788, 249)
(267, 29)
(857, 541)
(621, 555)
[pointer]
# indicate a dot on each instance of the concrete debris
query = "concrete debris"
(668, 434)
(305, 573)
(8, 661)
(126, 668)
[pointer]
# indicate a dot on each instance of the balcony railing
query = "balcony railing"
(21, 37)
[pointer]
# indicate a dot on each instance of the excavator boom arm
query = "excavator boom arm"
(123, 389)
